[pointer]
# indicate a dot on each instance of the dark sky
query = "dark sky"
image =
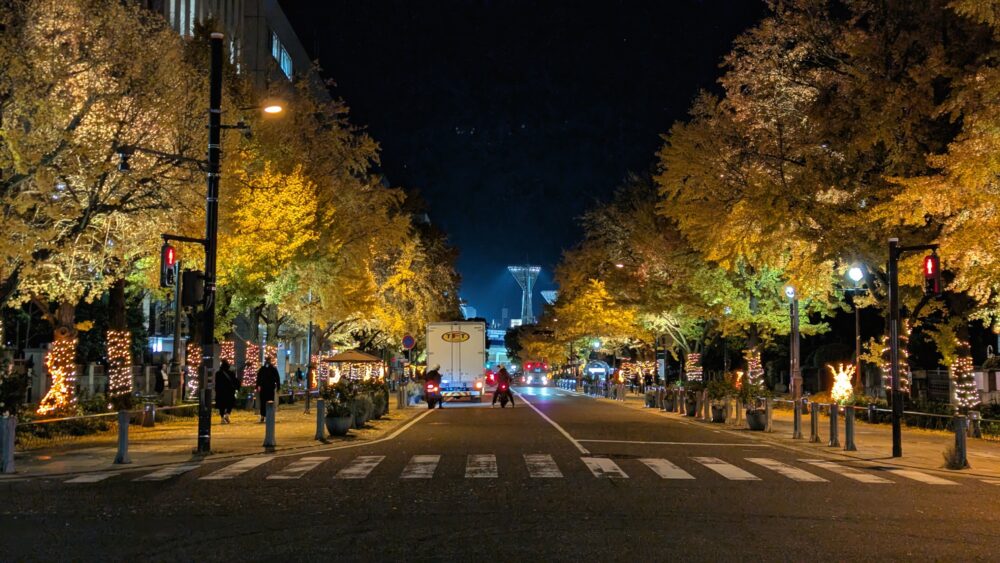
(512, 117)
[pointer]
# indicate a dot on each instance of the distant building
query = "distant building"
(515, 323)
(496, 352)
(468, 311)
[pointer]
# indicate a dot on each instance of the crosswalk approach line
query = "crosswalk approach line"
(235, 469)
(298, 468)
(849, 472)
(604, 468)
(168, 472)
(727, 470)
(925, 478)
(481, 466)
(665, 469)
(793, 473)
(420, 467)
(93, 477)
(360, 467)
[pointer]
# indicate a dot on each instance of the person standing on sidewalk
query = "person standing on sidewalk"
(268, 382)
(225, 391)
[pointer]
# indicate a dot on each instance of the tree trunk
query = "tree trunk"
(117, 313)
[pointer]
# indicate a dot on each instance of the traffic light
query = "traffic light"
(192, 288)
(168, 258)
(932, 275)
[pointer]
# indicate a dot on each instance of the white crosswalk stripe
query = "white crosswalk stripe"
(727, 470)
(168, 472)
(93, 477)
(481, 466)
(848, 472)
(604, 467)
(298, 468)
(420, 467)
(921, 477)
(542, 466)
(793, 473)
(360, 467)
(236, 469)
(665, 469)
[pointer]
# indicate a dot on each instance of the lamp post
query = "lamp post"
(856, 274)
(796, 376)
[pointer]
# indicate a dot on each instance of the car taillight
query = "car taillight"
(479, 385)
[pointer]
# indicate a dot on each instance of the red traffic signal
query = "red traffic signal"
(932, 274)
(168, 259)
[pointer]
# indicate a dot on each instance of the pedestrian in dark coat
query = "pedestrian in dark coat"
(225, 390)
(268, 382)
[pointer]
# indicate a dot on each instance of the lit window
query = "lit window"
(281, 55)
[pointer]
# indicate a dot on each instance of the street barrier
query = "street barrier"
(123, 421)
(149, 415)
(769, 412)
(320, 420)
(269, 444)
(814, 422)
(849, 429)
(834, 434)
(8, 433)
(796, 420)
(961, 452)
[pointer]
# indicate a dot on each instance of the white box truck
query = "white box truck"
(460, 349)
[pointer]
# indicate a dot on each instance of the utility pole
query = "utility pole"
(175, 359)
(211, 243)
(309, 358)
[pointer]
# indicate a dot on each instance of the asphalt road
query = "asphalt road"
(589, 480)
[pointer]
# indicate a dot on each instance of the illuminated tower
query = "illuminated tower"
(526, 276)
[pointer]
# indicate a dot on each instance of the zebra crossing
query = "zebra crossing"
(544, 466)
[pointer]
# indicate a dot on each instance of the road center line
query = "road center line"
(561, 430)
(675, 443)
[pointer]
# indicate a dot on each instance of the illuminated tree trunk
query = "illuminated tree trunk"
(60, 362)
(119, 345)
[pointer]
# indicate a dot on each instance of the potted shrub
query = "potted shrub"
(362, 408)
(339, 415)
(718, 393)
(691, 392)
(754, 397)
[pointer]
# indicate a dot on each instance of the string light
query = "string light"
(60, 361)
(252, 363)
(966, 394)
(228, 352)
(364, 371)
(119, 364)
(843, 390)
(192, 361)
(904, 360)
(755, 373)
(692, 366)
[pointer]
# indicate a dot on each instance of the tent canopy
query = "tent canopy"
(353, 356)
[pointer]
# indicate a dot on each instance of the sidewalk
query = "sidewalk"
(922, 449)
(174, 442)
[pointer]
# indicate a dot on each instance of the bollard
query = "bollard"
(8, 430)
(961, 452)
(871, 414)
(975, 428)
(739, 413)
(148, 415)
(796, 420)
(122, 455)
(814, 422)
(269, 427)
(849, 430)
(769, 413)
(834, 433)
(320, 420)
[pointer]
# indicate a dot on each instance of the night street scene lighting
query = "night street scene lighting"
(491, 281)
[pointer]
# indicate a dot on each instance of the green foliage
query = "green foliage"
(339, 398)
(719, 390)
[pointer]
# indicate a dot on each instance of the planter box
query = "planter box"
(718, 414)
(338, 425)
(756, 420)
(691, 407)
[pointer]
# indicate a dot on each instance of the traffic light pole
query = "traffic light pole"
(892, 270)
(213, 174)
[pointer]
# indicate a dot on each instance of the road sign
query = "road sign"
(409, 342)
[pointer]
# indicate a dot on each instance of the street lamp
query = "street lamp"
(856, 274)
(796, 377)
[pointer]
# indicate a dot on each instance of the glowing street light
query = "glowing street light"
(856, 274)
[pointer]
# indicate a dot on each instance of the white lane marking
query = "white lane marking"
(93, 477)
(676, 443)
(168, 472)
(481, 466)
(845, 471)
(604, 467)
(793, 473)
(360, 467)
(991, 481)
(298, 468)
(420, 467)
(562, 431)
(542, 466)
(665, 469)
(922, 477)
(728, 471)
(235, 469)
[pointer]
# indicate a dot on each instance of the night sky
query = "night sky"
(512, 117)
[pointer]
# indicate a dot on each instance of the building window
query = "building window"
(281, 55)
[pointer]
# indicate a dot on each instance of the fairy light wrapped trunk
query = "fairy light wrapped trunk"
(904, 360)
(60, 362)
(843, 389)
(755, 371)
(966, 393)
(192, 362)
(692, 367)
(119, 343)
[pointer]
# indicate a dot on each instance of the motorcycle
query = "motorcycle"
(505, 396)
(432, 394)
